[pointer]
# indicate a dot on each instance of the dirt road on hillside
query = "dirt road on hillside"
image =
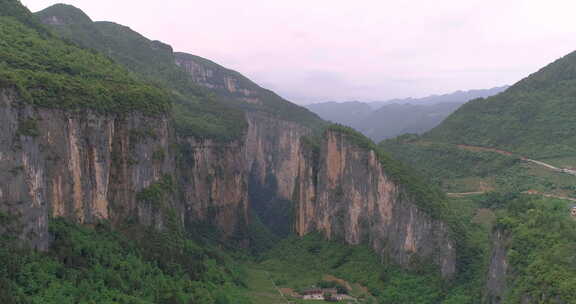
(537, 162)
(530, 192)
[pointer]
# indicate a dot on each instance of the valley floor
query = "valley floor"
(262, 288)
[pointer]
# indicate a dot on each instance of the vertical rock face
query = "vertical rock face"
(355, 201)
(496, 281)
(23, 181)
(214, 184)
(80, 165)
(221, 181)
(273, 152)
(87, 167)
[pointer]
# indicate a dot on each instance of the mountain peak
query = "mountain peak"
(63, 14)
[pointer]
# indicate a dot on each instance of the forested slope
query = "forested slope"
(534, 117)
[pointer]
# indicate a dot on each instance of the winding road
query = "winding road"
(507, 153)
(531, 192)
(537, 162)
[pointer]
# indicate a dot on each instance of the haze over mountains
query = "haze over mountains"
(177, 162)
(380, 120)
(130, 173)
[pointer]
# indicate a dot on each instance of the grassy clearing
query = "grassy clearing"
(301, 263)
(469, 184)
(527, 177)
(262, 290)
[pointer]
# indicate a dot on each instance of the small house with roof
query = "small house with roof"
(319, 293)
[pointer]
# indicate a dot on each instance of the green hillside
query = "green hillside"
(137, 265)
(541, 241)
(79, 64)
(199, 111)
(459, 169)
(499, 154)
(269, 101)
(196, 111)
(387, 119)
(8, 8)
(535, 117)
(532, 119)
(49, 72)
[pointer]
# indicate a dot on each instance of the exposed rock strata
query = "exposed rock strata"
(355, 201)
(89, 167)
(80, 165)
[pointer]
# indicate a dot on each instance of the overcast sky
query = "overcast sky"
(320, 50)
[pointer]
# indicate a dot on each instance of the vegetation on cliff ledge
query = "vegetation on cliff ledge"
(158, 192)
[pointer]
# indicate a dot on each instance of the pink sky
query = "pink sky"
(320, 50)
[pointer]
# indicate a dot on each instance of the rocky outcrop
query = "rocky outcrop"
(350, 197)
(90, 167)
(80, 165)
(496, 280)
(211, 75)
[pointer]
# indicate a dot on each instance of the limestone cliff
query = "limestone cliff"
(498, 268)
(81, 165)
(214, 184)
(273, 152)
(350, 197)
(340, 190)
(89, 166)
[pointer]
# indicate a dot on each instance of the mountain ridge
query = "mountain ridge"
(533, 117)
(508, 148)
(382, 120)
(212, 160)
(177, 194)
(456, 96)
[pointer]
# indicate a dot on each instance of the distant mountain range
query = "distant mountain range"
(456, 97)
(386, 119)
